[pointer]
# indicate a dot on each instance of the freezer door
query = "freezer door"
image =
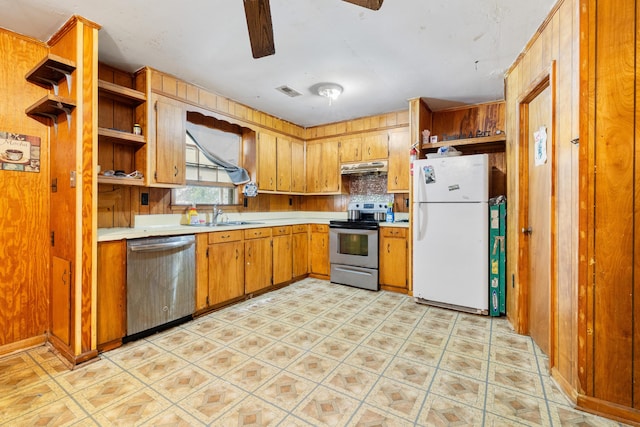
(451, 254)
(452, 179)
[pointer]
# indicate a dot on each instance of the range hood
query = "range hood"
(361, 168)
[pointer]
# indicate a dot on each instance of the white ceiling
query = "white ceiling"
(450, 52)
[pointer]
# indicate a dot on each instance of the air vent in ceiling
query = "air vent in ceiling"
(288, 91)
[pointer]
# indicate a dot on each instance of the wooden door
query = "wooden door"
(282, 259)
(319, 251)
(226, 271)
(267, 162)
(375, 146)
(393, 257)
(350, 150)
(330, 169)
(61, 299)
(112, 293)
(536, 146)
(170, 142)
(258, 264)
(297, 167)
(314, 160)
(283, 165)
(398, 176)
(300, 254)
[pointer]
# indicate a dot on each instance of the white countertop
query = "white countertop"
(173, 224)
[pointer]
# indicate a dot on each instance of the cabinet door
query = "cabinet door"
(314, 161)
(258, 264)
(61, 299)
(283, 165)
(330, 168)
(393, 258)
(282, 259)
(226, 271)
(320, 250)
(350, 150)
(398, 176)
(170, 142)
(112, 291)
(297, 167)
(266, 162)
(300, 253)
(375, 147)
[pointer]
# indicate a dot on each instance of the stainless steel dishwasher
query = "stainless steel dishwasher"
(160, 283)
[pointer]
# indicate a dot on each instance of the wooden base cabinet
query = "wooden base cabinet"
(319, 251)
(300, 252)
(111, 294)
(282, 255)
(220, 268)
(258, 256)
(394, 259)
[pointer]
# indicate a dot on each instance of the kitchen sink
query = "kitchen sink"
(228, 223)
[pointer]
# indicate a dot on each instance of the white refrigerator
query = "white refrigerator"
(451, 232)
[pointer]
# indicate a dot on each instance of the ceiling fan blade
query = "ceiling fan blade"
(258, 13)
(369, 4)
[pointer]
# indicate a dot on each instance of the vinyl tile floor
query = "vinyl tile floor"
(310, 354)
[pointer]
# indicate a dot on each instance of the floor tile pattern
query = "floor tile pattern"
(311, 354)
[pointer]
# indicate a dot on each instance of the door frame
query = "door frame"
(546, 79)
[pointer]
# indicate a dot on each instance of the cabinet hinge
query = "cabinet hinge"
(155, 175)
(207, 300)
(155, 105)
(53, 238)
(207, 252)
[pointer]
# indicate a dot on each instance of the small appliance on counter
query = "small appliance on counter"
(353, 245)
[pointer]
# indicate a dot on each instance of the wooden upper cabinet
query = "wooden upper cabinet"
(350, 150)
(398, 175)
(297, 167)
(283, 164)
(330, 167)
(267, 161)
(170, 125)
(375, 147)
(314, 154)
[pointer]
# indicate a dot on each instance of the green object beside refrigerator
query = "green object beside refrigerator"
(497, 255)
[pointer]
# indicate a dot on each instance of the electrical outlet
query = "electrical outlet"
(144, 199)
(290, 201)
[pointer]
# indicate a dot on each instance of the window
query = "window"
(208, 183)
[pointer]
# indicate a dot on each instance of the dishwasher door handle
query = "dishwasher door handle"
(153, 247)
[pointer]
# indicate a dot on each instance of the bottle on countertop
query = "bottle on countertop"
(192, 215)
(390, 212)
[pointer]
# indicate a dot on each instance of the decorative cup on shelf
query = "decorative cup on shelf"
(434, 139)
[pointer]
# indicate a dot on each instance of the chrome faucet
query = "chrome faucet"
(216, 214)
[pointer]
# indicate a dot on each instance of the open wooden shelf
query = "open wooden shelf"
(121, 94)
(49, 72)
(117, 180)
(120, 137)
(486, 143)
(51, 106)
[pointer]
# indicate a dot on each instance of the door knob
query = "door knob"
(526, 230)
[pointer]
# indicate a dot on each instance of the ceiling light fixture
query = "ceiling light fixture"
(330, 90)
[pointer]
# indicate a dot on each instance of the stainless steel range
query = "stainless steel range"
(353, 246)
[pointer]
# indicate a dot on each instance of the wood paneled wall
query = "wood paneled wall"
(24, 202)
(554, 45)
(610, 219)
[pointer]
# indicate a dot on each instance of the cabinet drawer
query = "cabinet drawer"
(282, 231)
(225, 236)
(393, 232)
(257, 233)
(300, 228)
(319, 228)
